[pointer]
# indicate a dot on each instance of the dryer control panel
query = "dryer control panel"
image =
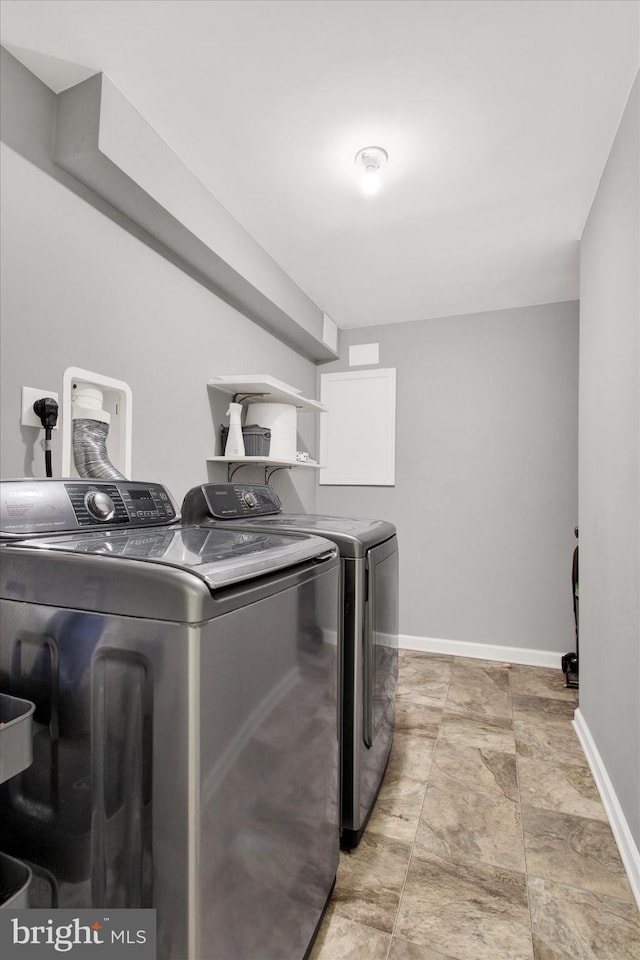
(229, 501)
(33, 507)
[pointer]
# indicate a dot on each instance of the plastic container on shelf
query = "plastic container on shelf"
(16, 746)
(257, 440)
(281, 420)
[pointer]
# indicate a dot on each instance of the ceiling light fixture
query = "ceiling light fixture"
(371, 159)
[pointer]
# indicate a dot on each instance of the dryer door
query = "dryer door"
(381, 636)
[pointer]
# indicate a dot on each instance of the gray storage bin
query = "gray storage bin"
(16, 747)
(15, 878)
(256, 439)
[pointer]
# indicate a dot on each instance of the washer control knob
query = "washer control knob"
(249, 499)
(100, 505)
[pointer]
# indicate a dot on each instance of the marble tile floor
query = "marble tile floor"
(489, 840)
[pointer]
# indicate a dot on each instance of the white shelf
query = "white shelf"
(264, 461)
(263, 389)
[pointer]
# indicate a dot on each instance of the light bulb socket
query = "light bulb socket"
(371, 157)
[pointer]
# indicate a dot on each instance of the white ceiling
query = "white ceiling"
(497, 115)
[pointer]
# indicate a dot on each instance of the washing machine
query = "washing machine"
(186, 743)
(369, 572)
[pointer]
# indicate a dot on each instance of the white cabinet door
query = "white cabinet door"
(358, 432)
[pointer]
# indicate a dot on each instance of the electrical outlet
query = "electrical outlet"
(29, 397)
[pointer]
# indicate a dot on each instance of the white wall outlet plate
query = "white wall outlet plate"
(29, 397)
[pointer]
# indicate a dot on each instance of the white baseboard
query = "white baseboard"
(629, 853)
(482, 651)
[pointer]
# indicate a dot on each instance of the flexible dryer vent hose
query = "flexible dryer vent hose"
(90, 450)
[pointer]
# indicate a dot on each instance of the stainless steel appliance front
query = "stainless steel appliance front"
(369, 561)
(186, 741)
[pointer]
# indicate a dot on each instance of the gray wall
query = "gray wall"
(485, 499)
(609, 468)
(81, 286)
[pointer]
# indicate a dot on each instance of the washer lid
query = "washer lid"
(219, 557)
(353, 535)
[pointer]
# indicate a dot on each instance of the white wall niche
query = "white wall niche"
(117, 401)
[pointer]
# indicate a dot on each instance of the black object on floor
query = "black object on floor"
(570, 661)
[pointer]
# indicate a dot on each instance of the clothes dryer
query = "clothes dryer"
(369, 565)
(185, 733)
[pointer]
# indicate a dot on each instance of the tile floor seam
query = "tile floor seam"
(426, 786)
(522, 835)
(406, 872)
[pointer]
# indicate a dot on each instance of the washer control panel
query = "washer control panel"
(99, 505)
(35, 507)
